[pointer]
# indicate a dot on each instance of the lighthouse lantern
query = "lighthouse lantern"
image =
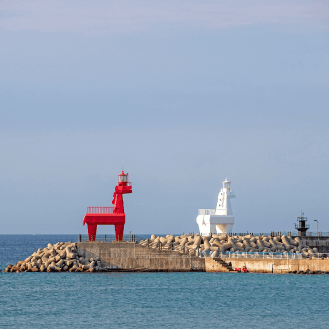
(123, 178)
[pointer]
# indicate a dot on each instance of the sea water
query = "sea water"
(152, 300)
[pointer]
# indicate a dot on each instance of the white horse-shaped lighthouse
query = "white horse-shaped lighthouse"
(219, 220)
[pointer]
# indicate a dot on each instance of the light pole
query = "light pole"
(317, 228)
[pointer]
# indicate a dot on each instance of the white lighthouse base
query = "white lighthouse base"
(216, 224)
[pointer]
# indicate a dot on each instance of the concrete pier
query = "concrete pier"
(130, 256)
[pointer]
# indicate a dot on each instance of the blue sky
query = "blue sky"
(180, 94)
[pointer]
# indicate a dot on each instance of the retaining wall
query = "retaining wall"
(270, 265)
(133, 257)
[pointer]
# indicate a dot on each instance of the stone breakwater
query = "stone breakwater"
(216, 244)
(60, 257)
(182, 252)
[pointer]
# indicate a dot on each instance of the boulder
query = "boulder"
(215, 242)
(83, 260)
(197, 240)
(163, 240)
(60, 263)
(183, 241)
(215, 254)
(170, 238)
(69, 253)
(53, 253)
(177, 239)
(206, 245)
(62, 253)
(225, 246)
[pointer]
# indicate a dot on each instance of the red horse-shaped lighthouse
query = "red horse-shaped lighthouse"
(109, 215)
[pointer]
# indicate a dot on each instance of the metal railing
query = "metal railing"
(100, 210)
(273, 234)
(258, 255)
(207, 211)
(111, 238)
(270, 255)
(306, 226)
(318, 234)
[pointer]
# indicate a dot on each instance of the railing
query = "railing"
(318, 234)
(257, 255)
(207, 211)
(273, 234)
(267, 255)
(100, 210)
(306, 226)
(111, 238)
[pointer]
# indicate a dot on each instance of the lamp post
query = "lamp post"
(317, 227)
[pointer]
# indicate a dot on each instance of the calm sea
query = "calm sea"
(152, 300)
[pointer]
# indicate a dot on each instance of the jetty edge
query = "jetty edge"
(183, 253)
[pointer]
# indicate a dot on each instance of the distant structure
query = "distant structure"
(219, 220)
(302, 227)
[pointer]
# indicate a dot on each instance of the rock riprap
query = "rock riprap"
(215, 244)
(60, 257)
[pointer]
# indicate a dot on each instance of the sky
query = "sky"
(180, 94)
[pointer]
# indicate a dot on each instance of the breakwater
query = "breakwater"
(59, 257)
(102, 257)
(219, 253)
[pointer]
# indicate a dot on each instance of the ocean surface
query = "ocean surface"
(152, 300)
